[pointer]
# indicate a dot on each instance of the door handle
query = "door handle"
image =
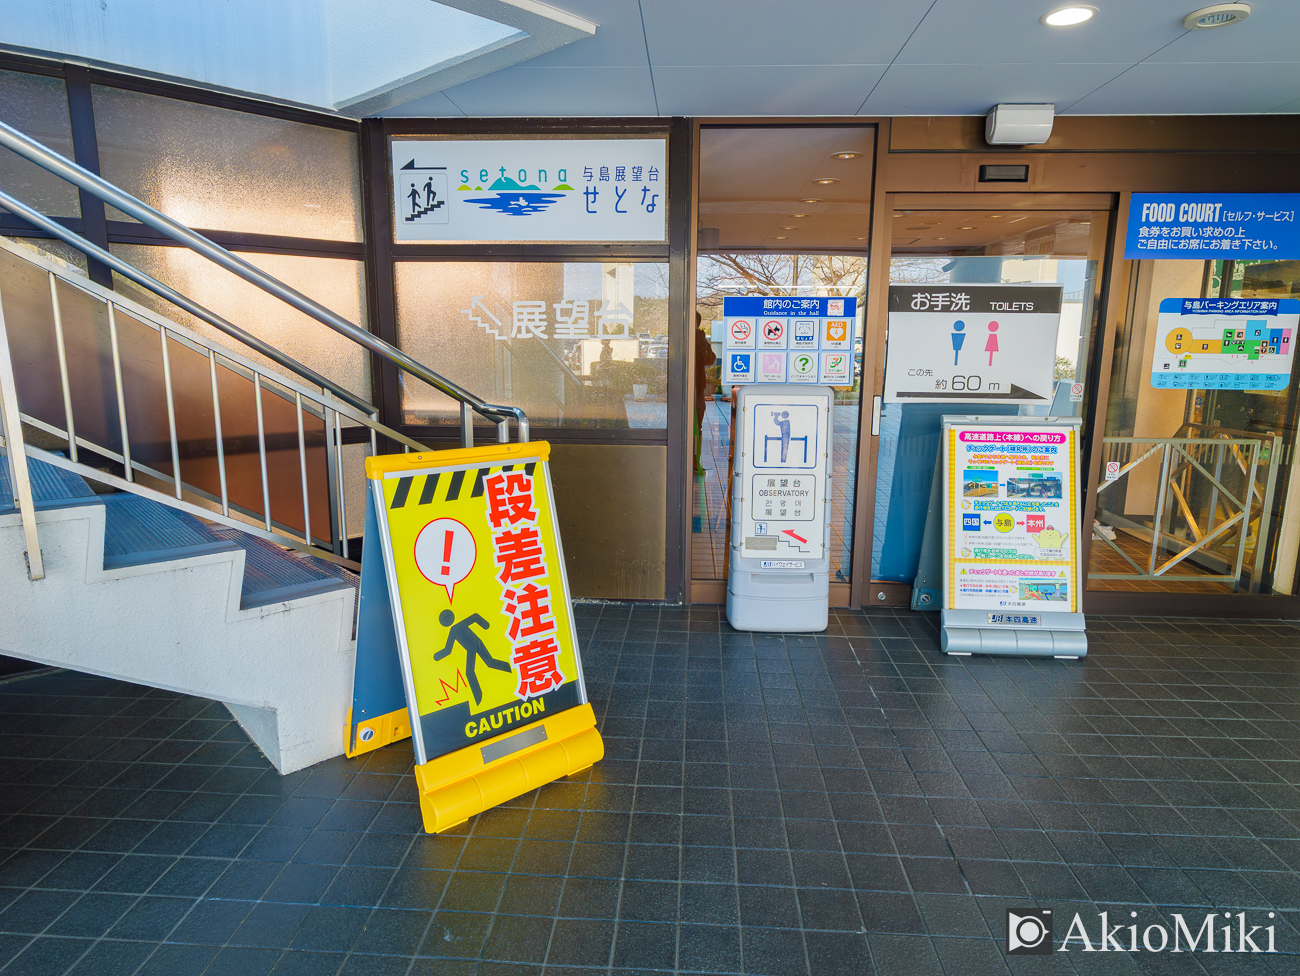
(875, 416)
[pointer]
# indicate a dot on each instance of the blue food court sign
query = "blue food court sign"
(1213, 226)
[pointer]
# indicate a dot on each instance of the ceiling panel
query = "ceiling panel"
(765, 89)
(954, 57)
(992, 31)
(988, 232)
(755, 184)
(817, 32)
(1270, 34)
(973, 89)
(546, 92)
(1194, 89)
(619, 38)
(434, 106)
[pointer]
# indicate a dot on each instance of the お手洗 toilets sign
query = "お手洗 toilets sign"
(972, 343)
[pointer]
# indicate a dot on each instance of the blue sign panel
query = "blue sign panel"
(761, 305)
(1213, 226)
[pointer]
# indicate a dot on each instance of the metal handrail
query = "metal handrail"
(95, 185)
(130, 271)
(221, 507)
(1187, 454)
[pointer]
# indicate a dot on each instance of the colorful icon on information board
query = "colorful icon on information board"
(802, 368)
(772, 334)
(835, 369)
(740, 333)
(803, 334)
(836, 333)
(738, 367)
(771, 367)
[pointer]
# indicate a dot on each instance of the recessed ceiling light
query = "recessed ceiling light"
(798, 215)
(859, 238)
(846, 155)
(965, 228)
(789, 228)
(994, 216)
(941, 238)
(783, 238)
(1070, 16)
(1217, 15)
(810, 200)
(825, 182)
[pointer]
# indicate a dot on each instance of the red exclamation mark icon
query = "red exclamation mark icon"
(446, 552)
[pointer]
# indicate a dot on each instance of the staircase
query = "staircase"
(174, 511)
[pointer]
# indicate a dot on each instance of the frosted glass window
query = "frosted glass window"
(218, 169)
(575, 345)
(37, 106)
(337, 283)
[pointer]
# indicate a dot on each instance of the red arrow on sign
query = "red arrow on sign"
(791, 534)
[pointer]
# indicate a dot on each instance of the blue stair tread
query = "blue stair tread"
(136, 525)
(269, 568)
(49, 484)
(140, 530)
(133, 524)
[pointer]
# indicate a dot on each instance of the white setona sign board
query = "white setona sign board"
(529, 189)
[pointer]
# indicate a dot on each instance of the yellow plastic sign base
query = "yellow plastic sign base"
(377, 732)
(459, 785)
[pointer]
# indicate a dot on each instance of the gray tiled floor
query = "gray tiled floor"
(847, 803)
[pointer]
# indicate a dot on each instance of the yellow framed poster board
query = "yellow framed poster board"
(1013, 576)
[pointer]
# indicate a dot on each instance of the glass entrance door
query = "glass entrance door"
(941, 244)
(1198, 467)
(785, 211)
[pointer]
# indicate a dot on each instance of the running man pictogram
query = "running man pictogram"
(475, 649)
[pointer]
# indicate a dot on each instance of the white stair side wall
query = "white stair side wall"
(284, 670)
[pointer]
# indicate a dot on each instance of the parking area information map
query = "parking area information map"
(1225, 344)
(1012, 526)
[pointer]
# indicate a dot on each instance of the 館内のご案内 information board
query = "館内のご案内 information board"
(1225, 344)
(1011, 521)
(484, 623)
(788, 340)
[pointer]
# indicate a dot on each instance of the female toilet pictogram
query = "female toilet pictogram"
(991, 346)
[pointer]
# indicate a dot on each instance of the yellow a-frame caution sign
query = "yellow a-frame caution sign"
(484, 625)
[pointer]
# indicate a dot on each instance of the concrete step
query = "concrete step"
(137, 590)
